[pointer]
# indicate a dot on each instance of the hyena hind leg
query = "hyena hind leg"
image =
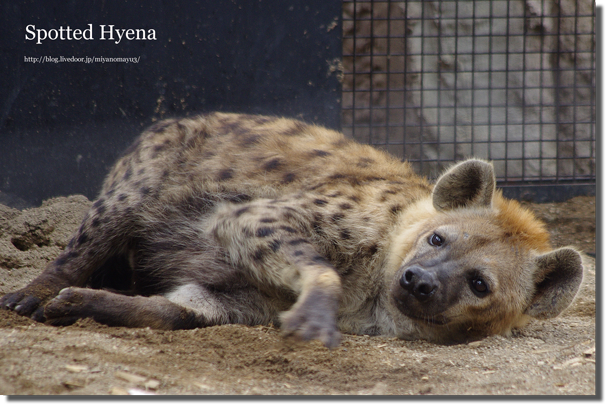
(95, 242)
(113, 309)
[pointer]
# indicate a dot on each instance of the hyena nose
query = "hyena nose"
(419, 282)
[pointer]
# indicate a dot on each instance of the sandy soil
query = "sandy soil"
(554, 357)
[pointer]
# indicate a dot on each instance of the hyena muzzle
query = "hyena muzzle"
(227, 218)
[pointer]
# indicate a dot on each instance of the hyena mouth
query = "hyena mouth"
(432, 320)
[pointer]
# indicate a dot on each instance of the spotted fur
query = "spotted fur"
(227, 218)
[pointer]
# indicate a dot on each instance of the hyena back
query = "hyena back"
(228, 218)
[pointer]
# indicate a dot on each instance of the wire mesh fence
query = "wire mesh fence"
(434, 82)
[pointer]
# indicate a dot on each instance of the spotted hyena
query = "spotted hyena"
(227, 218)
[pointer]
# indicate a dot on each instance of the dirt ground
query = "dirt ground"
(555, 357)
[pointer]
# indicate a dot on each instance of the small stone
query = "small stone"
(541, 351)
(573, 361)
(202, 386)
(132, 378)
(151, 384)
(76, 368)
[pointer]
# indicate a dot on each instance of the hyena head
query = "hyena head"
(474, 263)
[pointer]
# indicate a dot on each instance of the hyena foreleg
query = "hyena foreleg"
(271, 245)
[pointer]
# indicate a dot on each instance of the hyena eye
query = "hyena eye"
(479, 287)
(436, 240)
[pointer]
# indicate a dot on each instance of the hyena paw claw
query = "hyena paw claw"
(22, 303)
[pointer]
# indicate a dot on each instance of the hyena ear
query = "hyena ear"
(557, 277)
(469, 183)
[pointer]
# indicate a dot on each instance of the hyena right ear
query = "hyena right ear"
(557, 277)
(469, 183)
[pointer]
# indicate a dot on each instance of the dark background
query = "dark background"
(63, 125)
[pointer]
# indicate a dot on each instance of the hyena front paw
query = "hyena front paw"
(25, 302)
(313, 318)
(68, 306)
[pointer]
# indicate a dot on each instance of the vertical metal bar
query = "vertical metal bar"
(541, 102)
(388, 111)
(354, 42)
(353, 90)
(490, 74)
(372, 70)
(421, 86)
(557, 80)
(438, 86)
(592, 101)
(506, 93)
(523, 97)
(472, 71)
(405, 79)
(575, 72)
(455, 85)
